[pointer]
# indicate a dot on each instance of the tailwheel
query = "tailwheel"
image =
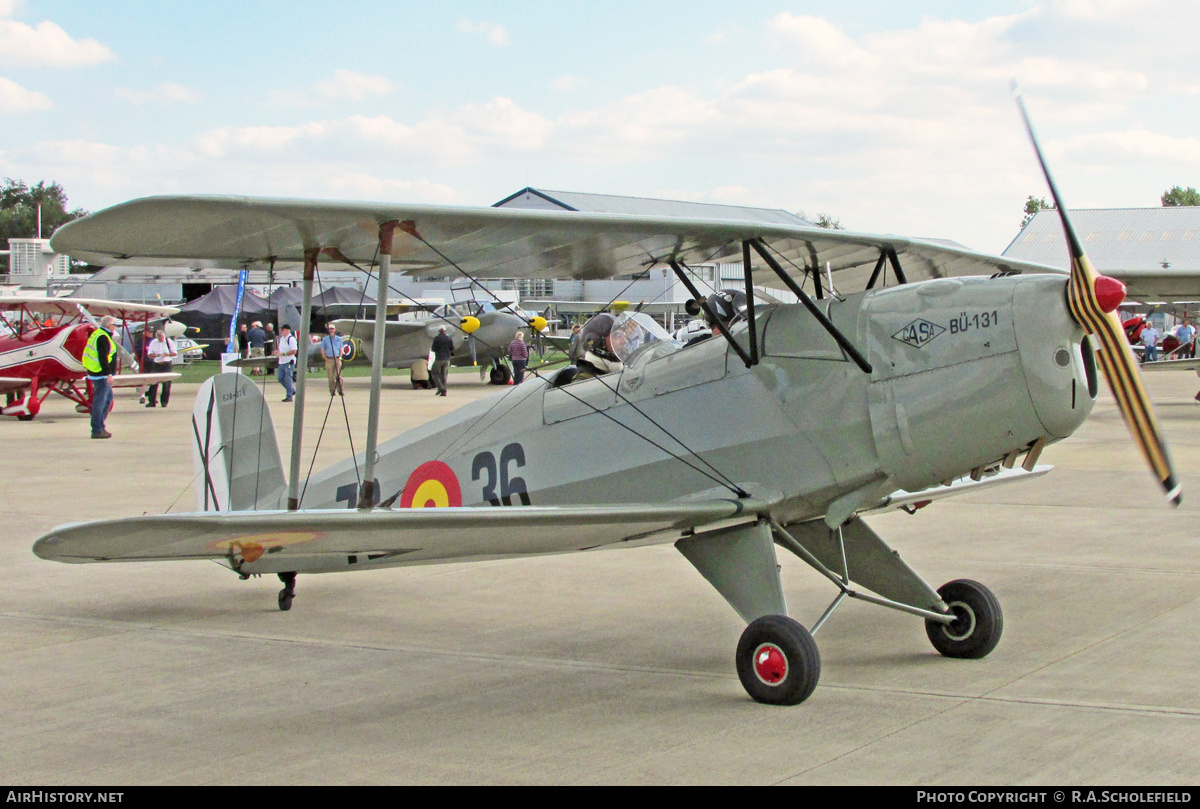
(978, 621)
(288, 592)
(777, 661)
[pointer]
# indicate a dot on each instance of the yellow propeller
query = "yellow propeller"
(1093, 299)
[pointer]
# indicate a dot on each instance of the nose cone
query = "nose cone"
(1059, 366)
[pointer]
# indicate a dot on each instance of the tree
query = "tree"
(1180, 196)
(1032, 206)
(823, 220)
(19, 211)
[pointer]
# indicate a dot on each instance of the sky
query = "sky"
(892, 117)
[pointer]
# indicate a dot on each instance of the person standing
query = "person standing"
(443, 350)
(243, 341)
(286, 351)
(518, 355)
(1187, 338)
(258, 343)
(100, 362)
(159, 354)
(1150, 343)
(331, 350)
(269, 345)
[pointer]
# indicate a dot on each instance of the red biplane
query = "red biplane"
(41, 349)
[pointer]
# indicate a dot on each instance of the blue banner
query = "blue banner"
(231, 346)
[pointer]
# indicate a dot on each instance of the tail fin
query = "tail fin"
(237, 458)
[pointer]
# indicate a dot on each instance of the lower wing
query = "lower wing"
(137, 380)
(275, 541)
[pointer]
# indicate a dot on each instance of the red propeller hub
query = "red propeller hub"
(1109, 293)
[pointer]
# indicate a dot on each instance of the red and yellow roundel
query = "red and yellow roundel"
(251, 547)
(431, 485)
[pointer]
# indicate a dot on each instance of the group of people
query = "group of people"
(254, 340)
(100, 357)
(100, 361)
(1179, 343)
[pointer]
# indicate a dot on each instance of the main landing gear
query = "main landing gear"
(777, 659)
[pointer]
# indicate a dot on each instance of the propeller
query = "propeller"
(1093, 300)
(470, 325)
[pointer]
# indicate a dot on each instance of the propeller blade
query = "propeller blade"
(471, 345)
(1085, 291)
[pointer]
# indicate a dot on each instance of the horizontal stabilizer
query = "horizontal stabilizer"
(426, 534)
(11, 383)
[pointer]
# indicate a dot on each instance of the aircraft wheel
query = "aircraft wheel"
(288, 592)
(499, 375)
(777, 661)
(978, 621)
(25, 417)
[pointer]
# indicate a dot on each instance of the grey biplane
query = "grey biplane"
(929, 371)
(481, 331)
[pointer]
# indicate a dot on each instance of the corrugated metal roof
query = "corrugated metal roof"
(641, 206)
(1116, 239)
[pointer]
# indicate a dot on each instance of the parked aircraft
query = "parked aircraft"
(43, 352)
(481, 330)
(828, 410)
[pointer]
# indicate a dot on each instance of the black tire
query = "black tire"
(285, 600)
(778, 661)
(24, 418)
(979, 621)
(499, 375)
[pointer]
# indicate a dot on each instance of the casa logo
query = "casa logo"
(433, 484)
(918, 333)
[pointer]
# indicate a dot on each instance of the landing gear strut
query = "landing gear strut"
(288, 592)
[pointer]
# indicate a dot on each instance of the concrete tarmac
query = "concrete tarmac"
(608, 668)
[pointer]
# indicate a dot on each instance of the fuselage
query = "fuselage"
(964, 372)
(49, 354)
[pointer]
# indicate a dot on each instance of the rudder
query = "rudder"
(237, 459)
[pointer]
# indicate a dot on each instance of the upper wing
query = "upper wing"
(97, 308)
(421, 534)
(490, 242)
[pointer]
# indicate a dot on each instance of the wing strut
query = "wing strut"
(369, 495)
(888, 254)
(833, 330)
(310, 270)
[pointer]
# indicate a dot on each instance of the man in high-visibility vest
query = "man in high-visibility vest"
(100, 362)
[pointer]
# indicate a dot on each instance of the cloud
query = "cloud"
(492, 32)
(14, 98)
(165, 93)
(352, 85)
(47, 45)
(9, 8)
(567, 82)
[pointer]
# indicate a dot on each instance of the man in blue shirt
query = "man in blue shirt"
(331, 350)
